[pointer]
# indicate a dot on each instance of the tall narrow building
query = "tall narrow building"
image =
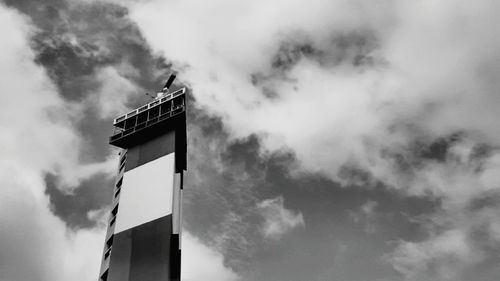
(143, 238)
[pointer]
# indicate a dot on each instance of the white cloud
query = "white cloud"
(100, 216)
(201, 262)
(441, 257)
(329, 115)
(460, 179)
(328, 108)
(113, 94)
(37, 137)
(37, 127)
(278, 220)
(35, 244)
(435, 74)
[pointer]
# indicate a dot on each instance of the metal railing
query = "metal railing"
(125, 132)
(150, 105)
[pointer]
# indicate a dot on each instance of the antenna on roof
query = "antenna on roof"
(164, 91)
(168, 84)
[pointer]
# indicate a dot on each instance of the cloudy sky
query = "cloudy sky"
(328, 139)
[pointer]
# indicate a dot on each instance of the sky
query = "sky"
(328, 140)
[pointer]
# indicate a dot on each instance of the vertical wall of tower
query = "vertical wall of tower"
(143, 237)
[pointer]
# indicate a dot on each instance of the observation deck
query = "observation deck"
(150, 120)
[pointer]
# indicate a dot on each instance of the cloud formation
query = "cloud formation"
(278, 220)
(402, 94)
(324, 92)
(37, 137)
(201, 262)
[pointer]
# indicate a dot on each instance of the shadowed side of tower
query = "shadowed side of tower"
(143, 237)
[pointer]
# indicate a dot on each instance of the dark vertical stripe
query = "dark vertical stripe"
(175, 258)
(181, 145)
(182, 181)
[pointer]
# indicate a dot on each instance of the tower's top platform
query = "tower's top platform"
(150, 120)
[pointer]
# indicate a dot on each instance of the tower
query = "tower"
(143, 236)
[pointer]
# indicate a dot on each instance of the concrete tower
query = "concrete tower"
(143, 237)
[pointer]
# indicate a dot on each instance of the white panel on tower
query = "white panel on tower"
(146, 193)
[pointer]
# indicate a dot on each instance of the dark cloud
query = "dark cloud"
(221, 178)
(289, 53)
(355, 49)
(41, 13)
(352, 48)
(410, 159)
(488, 200)
(229, 177)
(331, 239)
(76, 39)
(92, 194)
(245, 153)
(437, 149)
